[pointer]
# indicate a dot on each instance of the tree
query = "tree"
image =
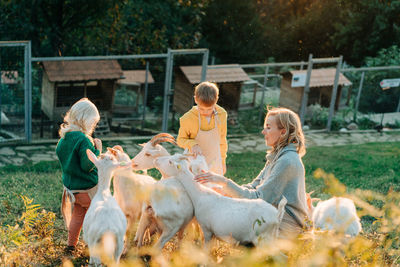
(365, 27)
(373, 98)
(55, 27)
(232, 31)
(101, 27)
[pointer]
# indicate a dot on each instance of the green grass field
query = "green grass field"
(373, 166)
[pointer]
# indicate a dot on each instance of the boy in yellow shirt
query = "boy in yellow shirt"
(203, 128)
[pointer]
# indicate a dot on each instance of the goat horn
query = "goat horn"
(164, 139)
(161, 135)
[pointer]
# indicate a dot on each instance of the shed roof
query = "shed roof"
(220, 75)
(60, 71)
(9, 77)
(133, 77)
(323, 77)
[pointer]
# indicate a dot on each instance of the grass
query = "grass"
(373, 166)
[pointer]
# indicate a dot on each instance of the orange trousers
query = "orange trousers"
(81, 205)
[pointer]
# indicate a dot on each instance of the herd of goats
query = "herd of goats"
(168, 205)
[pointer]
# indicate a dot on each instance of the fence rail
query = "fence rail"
(265, 68)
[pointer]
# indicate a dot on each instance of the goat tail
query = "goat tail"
(108, 246)
(281, 212)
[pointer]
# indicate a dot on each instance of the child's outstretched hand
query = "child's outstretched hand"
(196, 150)
(98, 144)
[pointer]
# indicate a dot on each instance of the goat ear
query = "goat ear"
(142, 145)
(92, 157)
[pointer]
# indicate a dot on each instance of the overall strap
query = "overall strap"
(216, 117)
(199, 117)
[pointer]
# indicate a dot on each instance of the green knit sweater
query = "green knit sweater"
(78, 171)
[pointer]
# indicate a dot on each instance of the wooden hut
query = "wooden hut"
(321, 86)
(65, 82)
(130, 91)
(229, 81)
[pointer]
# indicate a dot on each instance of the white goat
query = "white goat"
(247, 221)
(130, 190)
(338, 214)
(104, 218)
(151, 150)
(170, 208)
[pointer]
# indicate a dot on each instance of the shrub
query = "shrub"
(365, 123)
(31, 243)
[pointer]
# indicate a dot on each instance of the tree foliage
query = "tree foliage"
(365, 27)
(101, 27)
(233, 30)
(373, 98)
(290, 30)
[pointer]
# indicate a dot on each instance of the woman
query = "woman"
(283, 174)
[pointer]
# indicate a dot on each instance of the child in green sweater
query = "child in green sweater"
(79, 174)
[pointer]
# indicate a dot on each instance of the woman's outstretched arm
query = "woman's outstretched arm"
(269, 189)
(210, 177)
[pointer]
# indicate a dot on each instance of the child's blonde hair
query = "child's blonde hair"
(82, 116)
(290, 121)
(206, 93)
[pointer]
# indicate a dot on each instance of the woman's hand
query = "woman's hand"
(210, 177)
(97, 144)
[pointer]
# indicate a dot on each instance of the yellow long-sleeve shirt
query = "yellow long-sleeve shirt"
(189, 127)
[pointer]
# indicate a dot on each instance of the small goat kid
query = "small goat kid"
(170, 208)
(131, 190)
(104, 218)
(338, 214)
(247, 221)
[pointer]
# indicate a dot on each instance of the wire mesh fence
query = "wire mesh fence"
(141, 99)
(12, 93)
(129, 104)
(135, 102)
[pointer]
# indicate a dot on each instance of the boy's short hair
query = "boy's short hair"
(206, 93)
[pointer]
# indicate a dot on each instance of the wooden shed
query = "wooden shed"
(321, 86)
(229, 81)
(65, 82)
(131, 91)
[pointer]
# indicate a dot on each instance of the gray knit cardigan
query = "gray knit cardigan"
(283, 175)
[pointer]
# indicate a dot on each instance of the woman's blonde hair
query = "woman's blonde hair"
(82, 116)
(290, 121)
(206, 93)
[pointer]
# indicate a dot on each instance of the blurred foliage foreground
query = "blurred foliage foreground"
(32, 241)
